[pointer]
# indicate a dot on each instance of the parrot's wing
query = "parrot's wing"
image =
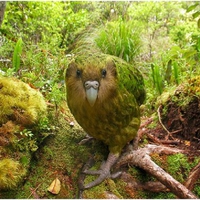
(131, 79)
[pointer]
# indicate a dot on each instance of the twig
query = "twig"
(177, 131)
(146, 122)
(34, 191)
(172, 142)
(159, 118)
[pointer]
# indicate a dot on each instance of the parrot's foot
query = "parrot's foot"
(103, 172)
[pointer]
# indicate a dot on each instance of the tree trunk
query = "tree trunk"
(2, 10)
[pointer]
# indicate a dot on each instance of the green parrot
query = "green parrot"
(104, 94)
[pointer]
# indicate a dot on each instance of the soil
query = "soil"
(182, 124)
(186, 120)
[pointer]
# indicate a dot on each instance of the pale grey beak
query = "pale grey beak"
(91, 91)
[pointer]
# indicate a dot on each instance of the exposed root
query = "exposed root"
(193, 177)
(141, 158)
(136, 185)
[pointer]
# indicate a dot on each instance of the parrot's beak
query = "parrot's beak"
(91, 91)
(91, 95)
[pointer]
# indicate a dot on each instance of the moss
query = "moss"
(159, 160)
(139, 174)
(11, 172)
(197, 188)
(186, 92)
(48, 152)
(182, 95)
(193, 87)
(20, 102)
(100, 191)
(160, 195)
(60, 157)
(121, 188)
(114, 189)
(40, 178)
(21, 109)
(179, 166)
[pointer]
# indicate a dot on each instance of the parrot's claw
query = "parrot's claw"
(103, 172)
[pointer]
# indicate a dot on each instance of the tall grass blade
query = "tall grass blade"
(16, 55)
(157, 78)
(168, 72)
(176, 72)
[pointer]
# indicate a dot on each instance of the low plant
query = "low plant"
(157, 78)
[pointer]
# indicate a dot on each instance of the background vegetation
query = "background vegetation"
(161, 38)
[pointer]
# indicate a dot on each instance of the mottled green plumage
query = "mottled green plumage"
(115, 116)
(104, 93)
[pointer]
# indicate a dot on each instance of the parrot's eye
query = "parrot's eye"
(103, 73)
(78, 73)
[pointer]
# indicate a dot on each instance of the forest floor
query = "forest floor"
(61, 156)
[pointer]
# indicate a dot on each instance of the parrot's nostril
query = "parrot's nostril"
(89, 84)
(91, 88)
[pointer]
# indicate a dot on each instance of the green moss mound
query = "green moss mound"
(21, 110)
(11, 172)
(20, 102)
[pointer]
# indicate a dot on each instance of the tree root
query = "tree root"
(193, 177)
(141, 158)
(150, 185)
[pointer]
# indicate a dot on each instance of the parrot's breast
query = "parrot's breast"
(115, 122)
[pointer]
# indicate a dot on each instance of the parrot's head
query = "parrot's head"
(91, 82)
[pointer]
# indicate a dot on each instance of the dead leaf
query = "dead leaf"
(55, 186)
(187, 143)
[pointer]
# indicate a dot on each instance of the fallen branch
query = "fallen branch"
(141, 158)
